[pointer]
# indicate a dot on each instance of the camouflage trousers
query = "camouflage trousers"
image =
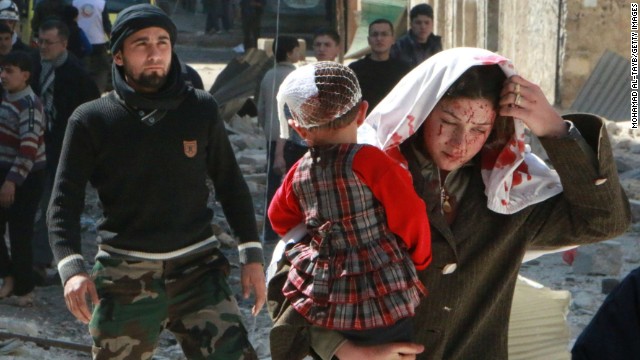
(188, 296)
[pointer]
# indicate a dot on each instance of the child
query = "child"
(361, 212)
(22, 163)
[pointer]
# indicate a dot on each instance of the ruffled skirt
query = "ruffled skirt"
(357, 288)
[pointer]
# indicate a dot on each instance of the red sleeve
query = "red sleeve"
(284, 210)
(393, 187)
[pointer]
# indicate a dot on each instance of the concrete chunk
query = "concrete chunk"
(604, 258)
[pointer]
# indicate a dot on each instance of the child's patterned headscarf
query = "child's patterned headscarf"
(318, 94)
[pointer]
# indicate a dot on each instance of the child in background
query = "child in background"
(22, 163)
(363, 216)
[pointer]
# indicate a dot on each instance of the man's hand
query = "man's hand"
(252, 276)
(7, 194)
(76, 290)
(391, 351)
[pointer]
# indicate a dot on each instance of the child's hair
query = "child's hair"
(19, 59)
(325, 94)
(284, 45)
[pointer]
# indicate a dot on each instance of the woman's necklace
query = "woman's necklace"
(444, 200)
(445, 205)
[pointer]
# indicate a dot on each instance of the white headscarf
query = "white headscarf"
(509, 186)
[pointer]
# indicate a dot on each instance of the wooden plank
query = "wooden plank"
(47, 343)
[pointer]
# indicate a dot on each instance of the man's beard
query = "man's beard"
(149, 81)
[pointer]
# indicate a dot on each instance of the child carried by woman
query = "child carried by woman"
(368, 229)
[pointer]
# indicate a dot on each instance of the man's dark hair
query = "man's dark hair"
(382, 21)
(19, 59)
(285, 44)
(421, 9)
(69, 13)
(328, 32)
(5, 29)
(63, 29)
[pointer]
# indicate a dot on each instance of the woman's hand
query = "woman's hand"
(524, 100)
(391, 351)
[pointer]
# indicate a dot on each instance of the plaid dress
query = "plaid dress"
(353, 273)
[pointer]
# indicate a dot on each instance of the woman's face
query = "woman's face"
(456, 130)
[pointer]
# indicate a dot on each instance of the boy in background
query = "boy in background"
(22, 163)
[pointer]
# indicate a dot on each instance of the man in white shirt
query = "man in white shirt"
(93, 19)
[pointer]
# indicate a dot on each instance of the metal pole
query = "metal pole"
(341, 28)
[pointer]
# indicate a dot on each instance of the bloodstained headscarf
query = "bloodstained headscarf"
(514, 177)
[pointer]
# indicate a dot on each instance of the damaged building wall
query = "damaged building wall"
(528, 35)
(508, 28)
(592, 26)
(555, 43)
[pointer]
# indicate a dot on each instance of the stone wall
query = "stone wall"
(554, 43)
(592, 26)
(508, 28)
(528, 35)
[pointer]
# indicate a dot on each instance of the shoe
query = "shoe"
(7, 287)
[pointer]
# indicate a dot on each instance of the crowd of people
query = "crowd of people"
(60, 131)
(34, 121)
(401, 187)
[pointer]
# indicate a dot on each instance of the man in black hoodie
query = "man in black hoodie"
(148, 147)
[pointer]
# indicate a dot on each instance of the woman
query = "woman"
(488, 199)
